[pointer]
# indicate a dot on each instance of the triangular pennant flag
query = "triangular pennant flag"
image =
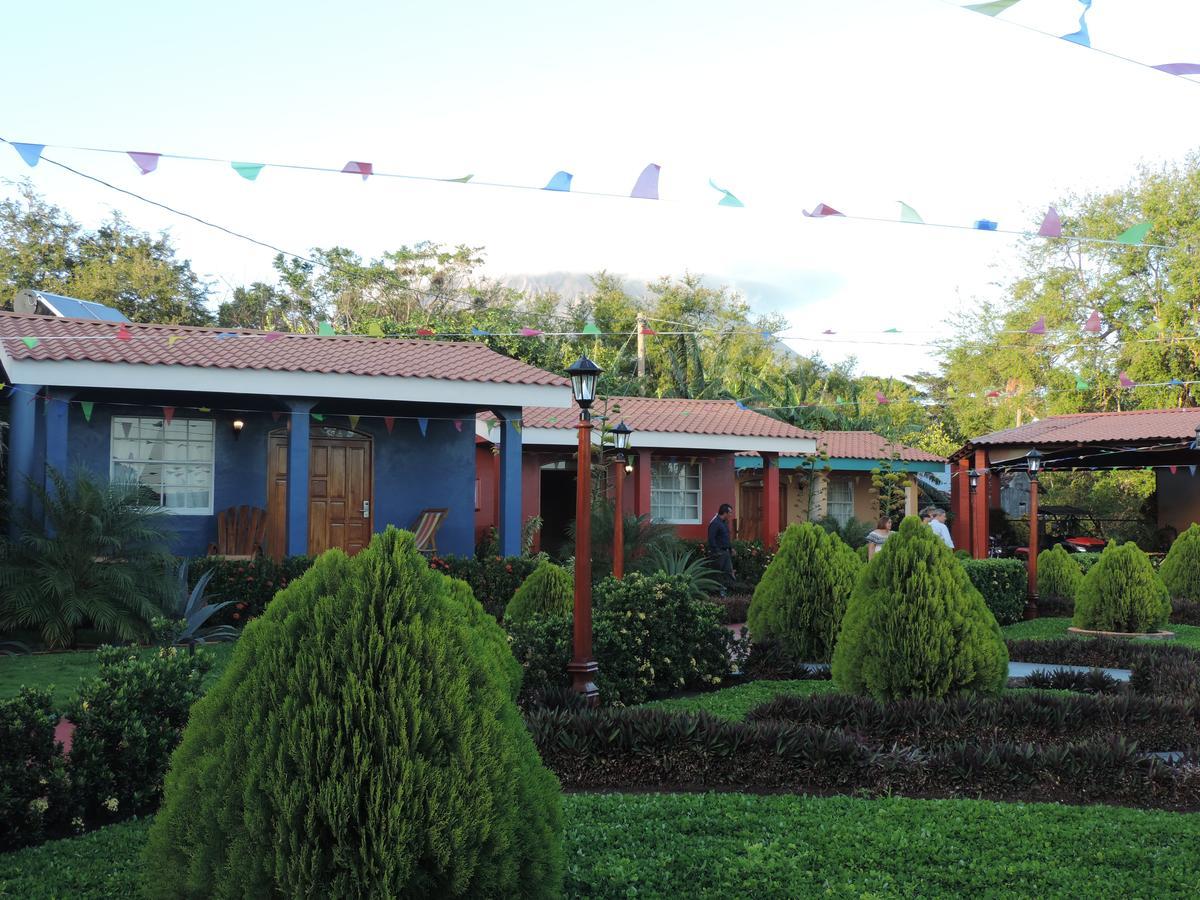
(125, 427)
(29, 342)
(492, 423)
(275, 414)
(359, 168)
(1175, 382)
(530, 332)
(1192, 469)
(1135, 234)
(986, 225)
(458, 425)
(908, 214)
(375, 330)
(741, 405)
(173, 339)
(1126, 381)
(993, 8)
(1081, 36)
(87, 406)
(881, 398)
(1177, 68)
(146, 162)
(325, 329)
(728, 199)
(425, 332)
(479, 332)
(463, 180)
(1051, 224)
(390, 422)
(123, 333)
(249, 171)
(646, 187)
(559, 181)
(1038, 327)
(822, 210)
(553, 419)
(992, 394)
(423, 424)
(203, 409)
(31, 153)
(1092, 325)
(227, 335)
(591, 328)
(648, 330)
(319, 417)
(1080, 384)
(891, 331)
(168, 414)
(840, 401)
(516, 424)
(1173, 469)
(828, 331)
(354, 421)
(271, 336)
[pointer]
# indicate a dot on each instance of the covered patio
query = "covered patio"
(1161, 440)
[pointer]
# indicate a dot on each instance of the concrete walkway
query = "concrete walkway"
(1024, 669)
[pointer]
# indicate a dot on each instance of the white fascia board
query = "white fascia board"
(665, 440)
(333, 385)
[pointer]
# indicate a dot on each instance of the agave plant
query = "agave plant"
(96, 558)
(695, 570)
(192, 609)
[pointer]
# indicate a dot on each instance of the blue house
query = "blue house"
(335, 437)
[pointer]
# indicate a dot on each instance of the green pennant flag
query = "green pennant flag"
(249, 171)
(87, 406)
(319, 417)
(1135, 234)
(992, 9)
(908, 214)
(325, 329)
(892, 331)
(591, 328)
(462, 180)
(492, 423)
(29, 342)
(375, 330)
(1080, 384)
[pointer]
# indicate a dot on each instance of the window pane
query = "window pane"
(171, 462)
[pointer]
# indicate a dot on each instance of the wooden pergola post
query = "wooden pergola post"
(980, 503)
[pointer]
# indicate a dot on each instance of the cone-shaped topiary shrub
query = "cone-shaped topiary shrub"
(802, 596)
(549, 590)
(1122, 592)
(916, 626)
(1058, 576)
(1180, 571)
(363, 742)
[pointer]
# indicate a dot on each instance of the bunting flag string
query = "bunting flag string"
(646, 187)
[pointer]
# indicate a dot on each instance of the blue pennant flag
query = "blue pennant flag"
(986, 225)
(741, 405)
(479, 332)
(31, 153)
(423, 424)
(561, 181)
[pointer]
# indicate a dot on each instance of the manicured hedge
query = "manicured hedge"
(1158, 669)
(1003, 584)
(493, 579)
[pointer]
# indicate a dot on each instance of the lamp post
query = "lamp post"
(1033, 460)
(621, 441)
(582, 666)
(973, 481)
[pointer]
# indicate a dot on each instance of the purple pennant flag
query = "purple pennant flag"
(31, 153)
(272, 336)
(1051, 224)
(560, 181)
(1092, 326)
(530, 332)
(821, 210)
(1126, 381)
(146, 162)
(647, 183)
(1038, 327)
(1179, 68)
(359, 168)
(423, 424)
(881, 398)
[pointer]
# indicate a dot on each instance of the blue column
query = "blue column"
(58, 408)
(22, 422)
(297, 478)
(510, 481)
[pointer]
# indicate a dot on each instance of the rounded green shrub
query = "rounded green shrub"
(1122, 592)
(1058, 576)
(549, 590)
(1180, 571)
(802, 596)
(363, 742)
(916, 626)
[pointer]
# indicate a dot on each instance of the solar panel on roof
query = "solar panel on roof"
(45, 304)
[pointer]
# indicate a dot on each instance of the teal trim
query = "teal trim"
(843, 465)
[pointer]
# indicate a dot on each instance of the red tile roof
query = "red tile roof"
(90, 341)
(674, 416)
(869, 445)
(1118, 427)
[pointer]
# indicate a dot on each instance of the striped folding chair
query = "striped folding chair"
(426, 527)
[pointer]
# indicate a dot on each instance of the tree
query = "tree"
(1180, 571)
(549, 590)
(890, 487)
(1122, 592)
(37, 244)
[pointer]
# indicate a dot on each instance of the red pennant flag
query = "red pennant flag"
(881, 398)
(123, 333)
(1038, 327)
(147, 162)
(425, 332)
(649, 330)
(1092, 326)
(821, 210)
(458, 425)
(1173, 469)
(390, 422)
(359, 168)
(168, 414)
(530, 332)
(992, 394)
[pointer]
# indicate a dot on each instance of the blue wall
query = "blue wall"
(411, 471)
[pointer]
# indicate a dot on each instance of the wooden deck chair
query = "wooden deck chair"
(425, 529)
(241, 531)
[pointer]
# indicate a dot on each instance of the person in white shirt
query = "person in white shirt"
(938, 524)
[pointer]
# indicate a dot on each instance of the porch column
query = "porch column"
(22, 420)
(297, 477)
(980, 503)
(642, 483)
(960, 503)
(910, 500)
(818, 496)
(509, 487)
(58, 408)
(770, 501)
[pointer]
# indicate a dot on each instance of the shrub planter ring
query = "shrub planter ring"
(1150, 635)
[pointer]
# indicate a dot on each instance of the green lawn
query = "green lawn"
(1042, 629)
(61, 672)
(737, 845)
(735, 702)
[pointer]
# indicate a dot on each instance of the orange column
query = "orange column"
(641, 475)
(980, 503)
(770, 500)
(960, 504)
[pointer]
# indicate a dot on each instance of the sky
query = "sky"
(856, 103)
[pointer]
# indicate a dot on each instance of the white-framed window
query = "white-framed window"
(675, 492)
(840, 499)
(173, 462)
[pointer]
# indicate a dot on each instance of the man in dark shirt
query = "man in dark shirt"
(720, 545)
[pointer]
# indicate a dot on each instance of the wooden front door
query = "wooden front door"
(340, 492)
(750, 512)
